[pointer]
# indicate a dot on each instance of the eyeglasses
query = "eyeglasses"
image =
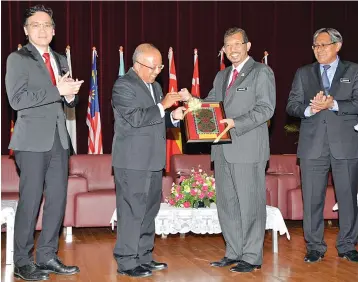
(323, 46)
(160, 67)
(45, 26)
(236, 44)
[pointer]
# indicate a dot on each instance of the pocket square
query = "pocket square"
(345, 80)
(241, 89)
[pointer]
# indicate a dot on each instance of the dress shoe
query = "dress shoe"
(30, 272)
(350, 255)
(153, 265)
(56, 266)
(138, 271)
(244, 266)
(314, 256)
(224, 262)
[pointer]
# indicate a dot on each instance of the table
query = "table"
(172, 220)
(8, 211)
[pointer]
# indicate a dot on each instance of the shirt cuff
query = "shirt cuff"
(308, 112)
(335, 106)
(161, 109)
(70, 100)
(175, 122)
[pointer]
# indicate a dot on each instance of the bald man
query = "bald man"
(138, 159)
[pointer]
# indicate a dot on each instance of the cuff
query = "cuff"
(161, 109)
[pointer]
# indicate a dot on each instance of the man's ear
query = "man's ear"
(25, 30)
(248, 44)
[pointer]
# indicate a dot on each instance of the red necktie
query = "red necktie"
(235, 74)
(49, 67)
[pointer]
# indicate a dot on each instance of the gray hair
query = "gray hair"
(142, 48)
(333, 34)
(234, 30)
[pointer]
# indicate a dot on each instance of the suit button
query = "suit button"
(324, 121)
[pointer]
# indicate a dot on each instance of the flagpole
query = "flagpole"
(71, 112)
(121, 70)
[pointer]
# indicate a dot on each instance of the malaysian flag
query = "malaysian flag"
(93, 115)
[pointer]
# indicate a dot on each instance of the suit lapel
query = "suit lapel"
(39, 60)
(226, 81)
(141, 84)
(341, 69)
(57, 60)
(246, 69)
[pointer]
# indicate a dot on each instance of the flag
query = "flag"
(70, 112)
(11, 152)
(12, 121)
(174, 141)
(121, 62)
(195, 87)
(264, 61)
(93, 115)
(221, 55)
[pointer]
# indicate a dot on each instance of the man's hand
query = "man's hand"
(67, 86)
(185, 95)
(178, 113)
(321, 102)
(229, 121)
(170, 99)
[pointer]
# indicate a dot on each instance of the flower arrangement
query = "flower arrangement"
(193, 191)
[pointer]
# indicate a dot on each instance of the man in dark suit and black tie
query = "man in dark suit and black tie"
(325, 96)
(37, 86)
(138, 158)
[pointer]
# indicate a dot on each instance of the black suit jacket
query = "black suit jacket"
(336, 126)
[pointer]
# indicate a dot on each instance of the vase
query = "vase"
(199, 204)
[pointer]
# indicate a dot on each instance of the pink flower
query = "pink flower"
(192, 192)
(194, 184)
(181, 179)
(205, 187)
(186, 204)
(202, 196)
(211, 194)
(171, 202)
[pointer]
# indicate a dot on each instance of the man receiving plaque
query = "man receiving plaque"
(247, 90)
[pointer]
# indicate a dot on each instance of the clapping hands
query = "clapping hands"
(321, 102)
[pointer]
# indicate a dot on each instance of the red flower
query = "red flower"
(186, 204)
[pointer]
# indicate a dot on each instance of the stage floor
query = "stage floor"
(188, 259)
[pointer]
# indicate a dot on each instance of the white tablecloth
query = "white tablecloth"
(172, 220)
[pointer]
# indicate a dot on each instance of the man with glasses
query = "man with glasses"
(37, 85)
(138, 159)
(247, 89)
(325, 96)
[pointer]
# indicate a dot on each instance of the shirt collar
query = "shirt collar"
(239, 67)
(333, 65)
(42, 52)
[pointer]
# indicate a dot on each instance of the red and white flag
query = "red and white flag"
(195, 87)
(174, 141)
(221, 55)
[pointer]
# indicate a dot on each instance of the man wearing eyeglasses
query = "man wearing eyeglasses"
(247, 89)
(37, 85)
(325, 96)
(138, 158)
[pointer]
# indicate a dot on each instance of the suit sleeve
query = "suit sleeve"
(350, 107)
(296, 101)
(64, 69)
(265, 103)
(124, 102)
(21, 95)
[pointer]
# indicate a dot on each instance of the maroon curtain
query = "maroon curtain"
(284, 29)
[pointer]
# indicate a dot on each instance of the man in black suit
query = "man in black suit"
(36, 87)
(325, 96)
(138, 158)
